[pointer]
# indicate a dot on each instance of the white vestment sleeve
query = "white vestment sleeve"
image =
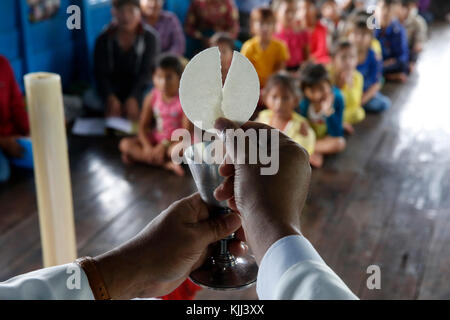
(293, 270)
(64, 282)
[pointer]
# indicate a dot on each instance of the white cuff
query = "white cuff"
(282, 255)
(64, 282)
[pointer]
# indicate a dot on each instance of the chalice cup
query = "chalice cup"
(222, 270)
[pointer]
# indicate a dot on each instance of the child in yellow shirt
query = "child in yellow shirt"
(281, 97)
(349, 80)
(267, 54)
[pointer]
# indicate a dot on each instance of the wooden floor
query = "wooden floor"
(384, 201)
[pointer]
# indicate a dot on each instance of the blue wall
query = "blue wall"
(10, 35)
(179, 7)
(49, 45)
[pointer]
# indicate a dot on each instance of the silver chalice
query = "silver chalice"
(222, 270)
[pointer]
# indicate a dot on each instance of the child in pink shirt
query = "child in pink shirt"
(168, 116)
(153, 145)
(297, 40)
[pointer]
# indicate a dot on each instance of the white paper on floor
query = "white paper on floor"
(119, 124)
(89, 127)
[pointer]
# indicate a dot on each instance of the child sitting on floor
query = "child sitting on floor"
(14, 125)
(296, 39)
(344, 75)
(331, 18)
(369, 20)
(267, 54)
(369, 66)
(416, 28)
(281, 98)
(323, 106)
(394, 41)
(153, 145)
(307, 18)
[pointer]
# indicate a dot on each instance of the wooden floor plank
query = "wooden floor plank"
(435, 282)
(402, 249)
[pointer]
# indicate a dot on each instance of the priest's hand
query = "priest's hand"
(160, 257)
(270, 205)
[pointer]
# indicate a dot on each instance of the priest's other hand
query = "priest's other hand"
(269, 205)
(160, 257)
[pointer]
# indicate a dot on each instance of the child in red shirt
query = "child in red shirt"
(296, 39)
(13, 123)
(307, 16)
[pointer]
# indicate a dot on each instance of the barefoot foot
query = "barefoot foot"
(316, 160)
(349, 128)
(126, 159)
(175, 168)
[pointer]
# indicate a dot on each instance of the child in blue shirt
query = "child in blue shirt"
(394, 42)
(369, 66)
(323, 106)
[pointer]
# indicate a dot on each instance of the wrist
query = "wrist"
(128, 272)
(95, 278)
(117, 274)
(272, 234)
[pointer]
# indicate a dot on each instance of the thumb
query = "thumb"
(217, 228)
(225, 128)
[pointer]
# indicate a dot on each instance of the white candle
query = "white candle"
(51, 168)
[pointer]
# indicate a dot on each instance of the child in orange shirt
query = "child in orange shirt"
(267, 54)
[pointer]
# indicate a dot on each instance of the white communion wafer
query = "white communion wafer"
(241, 90)
(201, 89)
(204, 100)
